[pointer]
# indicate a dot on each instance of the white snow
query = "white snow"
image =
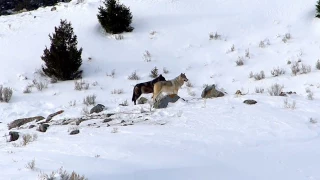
(218, 138)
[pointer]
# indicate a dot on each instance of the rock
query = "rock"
(77, 131)
(54, 8)
(211, 92)
(13, 136)
(43, 127)
(107, 120)
(98, 108)
(250, 101)
(163, 102)
(123, 121)
(142, 100)
(32, 126)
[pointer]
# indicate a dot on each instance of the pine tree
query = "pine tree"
(318, 9)
(115, 17)
(63, 59)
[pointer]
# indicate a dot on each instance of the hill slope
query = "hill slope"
(215, 139)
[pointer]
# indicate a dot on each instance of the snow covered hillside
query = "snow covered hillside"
(220, 138)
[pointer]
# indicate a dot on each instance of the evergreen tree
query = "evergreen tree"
(115, 17)
(318, 9)
(63, 59)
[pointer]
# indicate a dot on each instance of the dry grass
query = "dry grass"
(90, 100)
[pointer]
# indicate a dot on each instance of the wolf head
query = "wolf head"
(183, 77)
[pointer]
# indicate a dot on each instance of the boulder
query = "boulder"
(77, 131)
(98, 108)
(107, 120)
(54, 8)
(211, 92)
(250, 101)
(163, 102)
(43, 127)
(142, 100)
(13, 136)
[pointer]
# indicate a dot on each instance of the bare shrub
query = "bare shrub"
(62, 174)
(40, 72)
(115, 130)
(262, 45)
(134, 76)
(295, 69)
(287, 36)
(247, 53)
(251, 74)
(73, 103)
(112, 74)
(147, 56)
(205, 85)
(189, 84)
(81, 85)
(275, 89)
(28, 138)
(124, 103)
(305, 69)
(309, 94)
(259, 76)
(90, 100)
(31, 165)
(85, 110)
(191, 93)
(277, 72)
(240, 61)
(117, 91)
(215, 36)
(318, 64)
(118, 36)
(313, 120)
(259, 90)
(165, 71)
(80, 1)
(40, 85)
(5, 94)
(95, 83)
(154, 73)
(284, 40)
(289, 105)
(232, 48)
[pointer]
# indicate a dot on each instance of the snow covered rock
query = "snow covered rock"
(142, 100)
(163, 102)
(211, 92)
(98, 108)
(13, 136)
(250, 101)
(43, 127)
(77, 131)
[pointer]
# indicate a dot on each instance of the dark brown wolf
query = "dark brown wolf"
(145, 88)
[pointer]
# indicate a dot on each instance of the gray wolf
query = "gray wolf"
(170, 87)
(145, 88)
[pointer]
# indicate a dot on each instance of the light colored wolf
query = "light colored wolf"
(169, 87)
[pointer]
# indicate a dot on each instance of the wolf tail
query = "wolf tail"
(133, 95)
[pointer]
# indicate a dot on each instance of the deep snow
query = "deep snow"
(214, 139)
